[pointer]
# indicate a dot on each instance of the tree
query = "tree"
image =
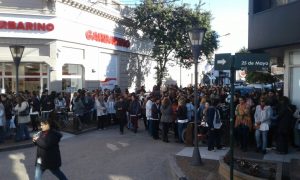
(166, 25)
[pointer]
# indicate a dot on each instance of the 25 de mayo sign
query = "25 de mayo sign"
(252, 61)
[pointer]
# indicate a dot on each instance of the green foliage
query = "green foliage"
(166, 25)
(260, 77)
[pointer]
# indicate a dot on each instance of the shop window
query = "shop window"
(32, 69)
(9, 67)
(72, 77)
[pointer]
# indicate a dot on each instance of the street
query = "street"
(99, 155)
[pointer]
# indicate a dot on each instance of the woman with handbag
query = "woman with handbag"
(22, 110)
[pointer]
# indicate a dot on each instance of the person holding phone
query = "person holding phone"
(48, 153)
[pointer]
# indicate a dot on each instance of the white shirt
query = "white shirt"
(263, 116)
(149, 109)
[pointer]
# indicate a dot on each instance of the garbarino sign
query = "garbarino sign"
(26, 26)
(103, 38)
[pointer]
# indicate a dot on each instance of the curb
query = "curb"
(175, 170)
(16, 146)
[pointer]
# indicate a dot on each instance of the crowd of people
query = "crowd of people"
(268, 118)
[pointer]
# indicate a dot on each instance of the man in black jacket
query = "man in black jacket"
(48, 153)
(121, 108)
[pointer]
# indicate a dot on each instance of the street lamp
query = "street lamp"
(196, 36)
(17, 52)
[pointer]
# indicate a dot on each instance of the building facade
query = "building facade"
(274, 27)
(69, 44)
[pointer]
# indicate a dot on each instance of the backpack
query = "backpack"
(26, 111)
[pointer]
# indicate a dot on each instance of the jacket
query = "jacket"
(48, 149)
(148, 109)
(120, 107)
(213, 118)
(166, 113)
(155, 111)
(101, 107)
(79, 108)
(182, 113)
(18, 109)
(135, 108)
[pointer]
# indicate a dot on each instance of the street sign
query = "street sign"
(223, 61)
(252, 61)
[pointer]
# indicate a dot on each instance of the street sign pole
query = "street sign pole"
(232, 79)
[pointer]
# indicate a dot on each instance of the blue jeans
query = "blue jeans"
(22, 131)
(56, 172)
(181, 127)
(261, 144)
(150, 127)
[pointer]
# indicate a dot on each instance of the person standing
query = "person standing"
(190, 110)
(285, 116)
(166, 117)
(48, 153)
(111, 116)
(120, 107)
(214, 126)
(100, 105)
(134, 112)
(181, 118)
(22, 130)
(149, 113)
(243, 122)
(35, 111)
(262, 119)
(156, 114)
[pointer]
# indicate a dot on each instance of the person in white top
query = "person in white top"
(111, 111)
(101, 108)
(262, 118)
(149, 113)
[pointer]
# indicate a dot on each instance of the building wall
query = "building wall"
(274, 27)
(67, 42)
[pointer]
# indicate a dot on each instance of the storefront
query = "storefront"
(78, 46)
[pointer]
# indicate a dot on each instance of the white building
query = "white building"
(69, 44)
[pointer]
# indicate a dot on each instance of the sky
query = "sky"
(229, 16)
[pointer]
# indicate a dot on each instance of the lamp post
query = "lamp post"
(17, 52)
(196, 36)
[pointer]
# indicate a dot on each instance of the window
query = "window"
(72, 77)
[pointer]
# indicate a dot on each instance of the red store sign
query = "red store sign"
(99, 37)
(26, 26)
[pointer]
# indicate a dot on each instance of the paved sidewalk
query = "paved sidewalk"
(217, 154)
(210, 159)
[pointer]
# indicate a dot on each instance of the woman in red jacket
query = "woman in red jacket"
(48, 153)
